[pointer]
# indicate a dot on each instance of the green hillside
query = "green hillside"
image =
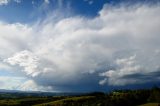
(143, 97)
(83, 100)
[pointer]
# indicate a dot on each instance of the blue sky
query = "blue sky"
(26, 11)
(30, 10)
(79, 45)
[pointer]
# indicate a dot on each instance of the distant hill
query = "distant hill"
(4, 90)
(18, 93)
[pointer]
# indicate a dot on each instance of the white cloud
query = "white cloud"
(27, 60)
(90, 2)
(33, 2)
(21, 83)
(11, 83)
(30, 85)
(5, 2)
(102, 82)
(47, 1)
(12, 39)
(17, 1)
(69, 50)
(4, 66)
(123, 67)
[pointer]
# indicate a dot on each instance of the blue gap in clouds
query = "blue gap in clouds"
(26, 12)
(23, 12)
(84, 8)
(16, 12)
(7, 73)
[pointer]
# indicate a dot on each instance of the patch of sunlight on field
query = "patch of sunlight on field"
(151, 104)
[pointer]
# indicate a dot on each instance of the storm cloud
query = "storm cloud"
(81, 53)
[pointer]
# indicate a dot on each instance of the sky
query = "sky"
(79, 45)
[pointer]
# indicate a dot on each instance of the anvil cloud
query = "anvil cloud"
(118, 47)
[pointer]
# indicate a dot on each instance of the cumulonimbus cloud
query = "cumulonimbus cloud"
(118, 43)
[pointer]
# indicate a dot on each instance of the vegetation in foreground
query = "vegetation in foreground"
(116, 98)
(151, 104)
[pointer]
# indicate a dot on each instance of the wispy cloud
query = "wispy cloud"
(47, 1)
(90, 2)
(5, 2)
(11, 83)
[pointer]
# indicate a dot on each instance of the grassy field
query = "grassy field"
(29, 101)
(69, 100)
(151, 104)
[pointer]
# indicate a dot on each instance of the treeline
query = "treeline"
(115, 98)
(129, 97)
